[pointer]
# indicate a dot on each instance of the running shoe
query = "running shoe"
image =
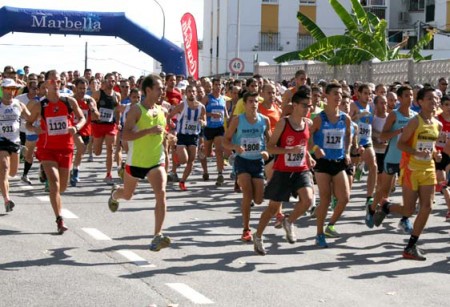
(182, 186)
(90, 158)
(121, 170)
(246, 235)
(159, 242)
(405, 226)
(369, 201)
(47, 187)
(113, 204)
(226, 162)
(42, 176)
(9, 205)
(109, 180)
(447, 217)
(220, 180)
(290, 231)
(258, 245)
(379, 215)
(175, 177)
(413, 253)
(73, 177)
(333, 203)
(312, 211)
(279, 220)
(369, 219)
(320, 241)
(205, 176)
(330, 232)
(61, 227)
(237, 188)
(25, 179)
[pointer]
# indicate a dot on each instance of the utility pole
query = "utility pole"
(86, 55)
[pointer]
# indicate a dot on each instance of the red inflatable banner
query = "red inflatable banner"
(189, 30)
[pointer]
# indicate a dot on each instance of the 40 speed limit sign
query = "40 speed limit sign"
(236, 65)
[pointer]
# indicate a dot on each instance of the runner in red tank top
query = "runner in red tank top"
(81, 138)
(55, 143)
(292, 165)
(443, 167)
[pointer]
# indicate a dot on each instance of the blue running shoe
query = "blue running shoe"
(369, 218)
(406, 226)
(320, 241)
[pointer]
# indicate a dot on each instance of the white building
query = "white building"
(260, 30)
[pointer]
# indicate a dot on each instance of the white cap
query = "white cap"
(182, 84)
(7, 82)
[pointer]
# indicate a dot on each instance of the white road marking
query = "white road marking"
(136, 259)
(96, 234)
(189, 293)
(26, 187)
(43, 198)
(68, 214)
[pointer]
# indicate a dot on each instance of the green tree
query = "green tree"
(364, 39)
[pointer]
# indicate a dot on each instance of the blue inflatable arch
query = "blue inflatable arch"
(27, 20)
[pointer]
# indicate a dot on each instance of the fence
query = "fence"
(384, 72)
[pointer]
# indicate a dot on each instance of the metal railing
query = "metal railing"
(304, 41)
(384, 72)
(269, 41)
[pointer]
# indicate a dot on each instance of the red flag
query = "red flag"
(189, 30)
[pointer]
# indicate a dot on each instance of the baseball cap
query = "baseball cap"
(20, 72)
(7, 82)
(182, 84)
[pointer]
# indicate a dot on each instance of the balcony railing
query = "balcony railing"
(373, 2)
(269, 41)
(380, 12)
(304, 41)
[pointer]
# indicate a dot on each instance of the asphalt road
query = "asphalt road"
(104, 260)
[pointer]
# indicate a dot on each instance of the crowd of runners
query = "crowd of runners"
(301, 140)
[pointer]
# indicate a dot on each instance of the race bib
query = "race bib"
(364, 130)
(295, 159)
(106, 115)
(422, 146)
(251, 145)
(443, 136)
(217, 111)
(57, 125)
(190, 127)
(76, 120)
(333, 139)
(9, 129)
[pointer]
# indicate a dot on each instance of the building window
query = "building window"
(269, 41)
(307, 2)
(270, 1)
(304, 41)
(416, 5)
(373, 2)
(429, 11)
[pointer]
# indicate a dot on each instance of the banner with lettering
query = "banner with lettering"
(189, 30)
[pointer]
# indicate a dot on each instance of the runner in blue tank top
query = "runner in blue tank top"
(362, 114)
(331, 137)
(216, 113)
(392, 130)
(247, 136)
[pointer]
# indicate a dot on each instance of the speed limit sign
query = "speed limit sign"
(236, 65)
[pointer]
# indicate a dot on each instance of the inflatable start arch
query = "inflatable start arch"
(27, 20)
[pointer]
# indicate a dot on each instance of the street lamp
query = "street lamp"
(164, 18)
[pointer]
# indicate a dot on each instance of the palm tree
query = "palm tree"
(364, 40)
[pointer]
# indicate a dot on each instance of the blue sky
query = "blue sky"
(42, 51)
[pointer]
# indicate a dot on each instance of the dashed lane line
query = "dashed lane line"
(136, 259)
(96, 234)
(68, 214)
(190, 294)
